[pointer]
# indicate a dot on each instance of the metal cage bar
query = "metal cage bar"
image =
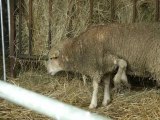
(30, 26)
(91, 11)
(112, 10)
(49, 27)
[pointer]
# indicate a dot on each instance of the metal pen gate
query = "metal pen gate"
(30, 56)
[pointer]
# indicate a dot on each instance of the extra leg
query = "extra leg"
(121, 76)
(117, 78)
(124, 80)
(106, 99)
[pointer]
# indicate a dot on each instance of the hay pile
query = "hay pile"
(63, 11)
(60, 22)
(137, 104)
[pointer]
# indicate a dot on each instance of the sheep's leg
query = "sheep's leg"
(121, 75)
(117, 79)
(122, 66)
(106, 99)
(95, 93)
(124, 79)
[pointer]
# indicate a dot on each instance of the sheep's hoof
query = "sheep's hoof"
(117, 88)
(121, 88)
(106, 102)
(128, 86)
(91, 106)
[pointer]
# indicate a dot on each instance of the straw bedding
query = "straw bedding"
(139, 103)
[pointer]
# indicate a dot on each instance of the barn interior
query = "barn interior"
(68, 18)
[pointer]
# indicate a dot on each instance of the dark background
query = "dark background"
(5, 26)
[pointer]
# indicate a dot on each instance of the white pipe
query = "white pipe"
(44, 105)
(3, 46)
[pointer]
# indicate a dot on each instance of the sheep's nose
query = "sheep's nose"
(49, 73)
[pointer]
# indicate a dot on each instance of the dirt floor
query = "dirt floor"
(142, 102)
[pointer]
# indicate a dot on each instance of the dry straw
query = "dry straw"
(142, 104)
(78, 11)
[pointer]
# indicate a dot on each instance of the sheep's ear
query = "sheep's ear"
(56, 54)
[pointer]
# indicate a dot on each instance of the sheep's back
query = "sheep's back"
(133, 43)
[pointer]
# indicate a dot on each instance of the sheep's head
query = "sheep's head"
(57, 58)
(53, 64)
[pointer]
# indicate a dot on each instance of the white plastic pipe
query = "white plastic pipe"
(44, 105)
(3, 46)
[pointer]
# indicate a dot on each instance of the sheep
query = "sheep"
(137, 43)
(78, 56)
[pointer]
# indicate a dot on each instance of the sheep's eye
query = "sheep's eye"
(53, 58)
